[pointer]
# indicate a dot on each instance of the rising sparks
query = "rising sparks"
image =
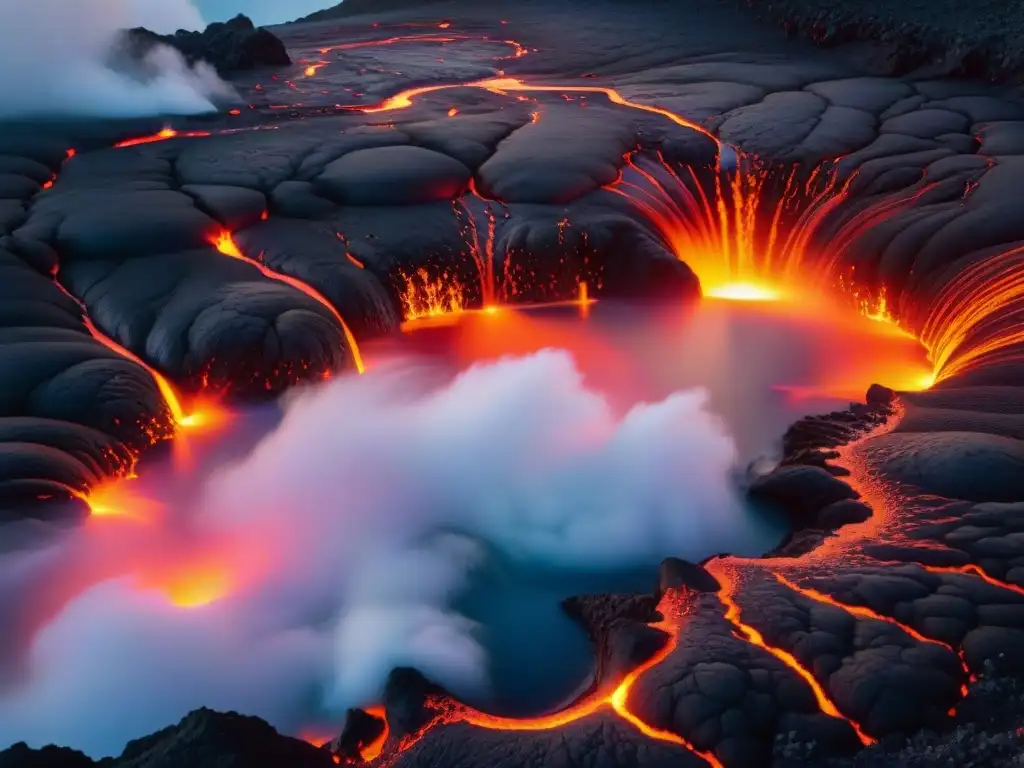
(424, 297)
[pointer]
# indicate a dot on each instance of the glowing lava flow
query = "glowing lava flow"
(163, 135)
(734, 616)
(518, 51)
(503, 85)
(866, 613)
(170, 397)
(225, 244)
(672, 607)
(975, 570)
(978, 316)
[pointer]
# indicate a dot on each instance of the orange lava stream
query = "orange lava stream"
(975, 570)
(372, 751)
(178, 414)
(866, 613)
(734, 616)
(225, 244)
(978, 316)
(671, 606)
(163, 135)
(503, 85)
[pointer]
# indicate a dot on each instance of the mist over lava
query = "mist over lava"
(58, 60)
(332, 552)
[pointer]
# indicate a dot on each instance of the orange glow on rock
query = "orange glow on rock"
(453, 112)
(224, 242)
(976, 570)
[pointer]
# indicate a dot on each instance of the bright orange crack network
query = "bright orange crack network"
(734, 616)
(864, 612)
(225, 244)
(672, 606)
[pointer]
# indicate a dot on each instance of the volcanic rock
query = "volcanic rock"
(881, 396)
(843, 512)
(801, 492)
(229, 46)
(22, 756)
(209, 739)
(361, 728)
(675, 573)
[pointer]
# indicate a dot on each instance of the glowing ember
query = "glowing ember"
(453, 112)
(312, 69)
(225, 243)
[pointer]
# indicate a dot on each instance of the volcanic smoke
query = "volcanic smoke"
(303, 573)
(61, 53)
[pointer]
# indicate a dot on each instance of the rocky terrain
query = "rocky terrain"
(230, 46)
(248, 252)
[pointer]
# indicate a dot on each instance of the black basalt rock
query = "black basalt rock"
(675, 573)
(230, 46)
(209, 739)
(801, 492)
(361, 729)
(21, 755)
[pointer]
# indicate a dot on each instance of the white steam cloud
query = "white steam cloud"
(341, 540)
(55, 56)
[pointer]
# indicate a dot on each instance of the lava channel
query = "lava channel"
(672, 606)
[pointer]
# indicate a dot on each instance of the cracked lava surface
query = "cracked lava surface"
(409, 177)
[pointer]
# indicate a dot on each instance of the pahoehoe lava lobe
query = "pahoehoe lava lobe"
(429, 159)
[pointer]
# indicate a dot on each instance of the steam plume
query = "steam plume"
(56, 59)
(332, 552)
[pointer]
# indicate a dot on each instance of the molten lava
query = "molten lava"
(673, 608)
(163, 135)
(978, 316)
(225, 244)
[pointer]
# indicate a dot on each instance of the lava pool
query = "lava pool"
(430, 513)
